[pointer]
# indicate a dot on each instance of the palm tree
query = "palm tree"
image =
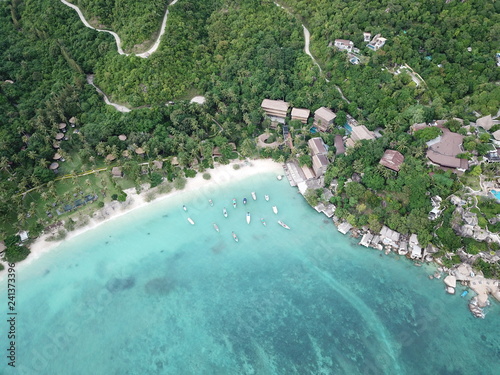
(4, 164)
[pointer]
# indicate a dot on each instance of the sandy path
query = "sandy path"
(118, 41)
(119, 107)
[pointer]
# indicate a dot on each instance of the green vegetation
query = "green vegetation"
(206, 176)
(134, 21)
(236, 53)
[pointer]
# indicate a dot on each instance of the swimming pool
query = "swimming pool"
(496, 194)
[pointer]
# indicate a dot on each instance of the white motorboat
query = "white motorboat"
(266, 197)
(234, 202)
(224, 212)
(216, 227)
(211, 203)
(275, 210)
(263, 221)
(279, 177)
(248, 217)
(283, 224)
(190, 221)
(254, 196)
(235, 237)
(184, 208)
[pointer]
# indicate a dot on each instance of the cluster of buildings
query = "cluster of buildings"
(444, 149)
(374, 44)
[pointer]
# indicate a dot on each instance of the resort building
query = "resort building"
(276, 110)
(344, 45)
(376, 43)
(444, 151)
(418, 126)
(485, 122)
(389, 236)
(360, 133)
(320, 164)
(317, 146)
(116, 172)
(339, 145)
(301, 114)
(392, 159)
(323, 118)
(367, 37)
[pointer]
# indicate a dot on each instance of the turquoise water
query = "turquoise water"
(151, 294)
(496, 194)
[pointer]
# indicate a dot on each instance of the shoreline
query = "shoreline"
(221, 174)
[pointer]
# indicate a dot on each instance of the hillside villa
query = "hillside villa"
(323, 118)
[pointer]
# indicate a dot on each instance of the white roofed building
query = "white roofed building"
(376, 43)
(344, 45)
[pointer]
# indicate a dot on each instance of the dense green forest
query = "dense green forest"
(433, 37)
(136, 22)
(235, 53)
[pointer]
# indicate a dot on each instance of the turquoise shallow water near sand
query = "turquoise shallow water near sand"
(150, 294)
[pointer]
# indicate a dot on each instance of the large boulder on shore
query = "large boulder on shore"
(450, 281)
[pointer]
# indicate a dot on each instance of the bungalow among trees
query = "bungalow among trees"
(485, 122)
(319, 159)
(392, 159)
(359, 133)
(376, 43)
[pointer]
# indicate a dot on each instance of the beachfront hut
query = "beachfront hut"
(23, 235)
(125, 154)
(175, 161)
(122, 137)
(139, 151)
(116, 172)
(73, 120)
(56, 144)
(54, 166)
(392, 159)
(57, 156)
(216, 152)
(59, 136)
(158, 164)
(110, 157)
(62, 126)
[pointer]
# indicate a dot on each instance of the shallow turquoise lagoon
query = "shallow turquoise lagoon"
(151, 294)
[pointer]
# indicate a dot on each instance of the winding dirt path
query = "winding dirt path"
(118, 41)
(119, 107)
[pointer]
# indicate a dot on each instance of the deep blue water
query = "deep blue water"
(150, 294)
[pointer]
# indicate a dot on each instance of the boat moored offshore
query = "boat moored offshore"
(283, 224)
(190, 221)
(254, 196)
(244, 201)
(235, 237)
(224, 212)
(275, 210)
(263, 221)
(234, 202)
(248, 217)
(266, 197)
(216, 227)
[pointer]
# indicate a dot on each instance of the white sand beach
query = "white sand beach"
(220, 175)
